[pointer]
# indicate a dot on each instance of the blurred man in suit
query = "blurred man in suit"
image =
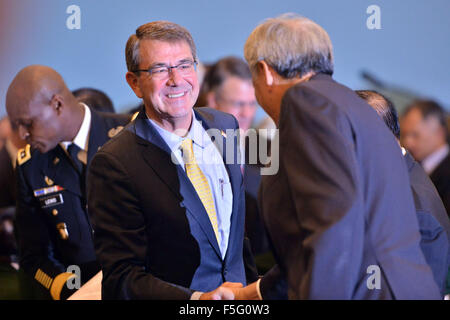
(433, 220)
(167, 202)
(52, 223)
(8, 157)
(329, 209)
(228, 87)
(424, 134)
(95, 99)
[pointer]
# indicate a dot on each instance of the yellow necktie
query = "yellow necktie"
(200, 183)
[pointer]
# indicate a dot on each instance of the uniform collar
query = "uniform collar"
(81, 139)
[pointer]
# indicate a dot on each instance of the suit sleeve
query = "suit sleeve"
(317, 152)
(36, 252)
(120, 235)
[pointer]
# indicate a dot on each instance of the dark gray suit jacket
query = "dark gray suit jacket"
(433, 222)
(338, 208)
(153, 236)
(441, 180)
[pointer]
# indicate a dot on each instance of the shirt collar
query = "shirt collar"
(196, 134)
(81, 139)
(433, 160)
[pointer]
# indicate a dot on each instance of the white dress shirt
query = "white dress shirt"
(82, 137)
(433, 160)
(211, 163)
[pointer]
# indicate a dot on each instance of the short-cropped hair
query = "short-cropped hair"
(384, 107)
(223, 69)
(156, 30)
(292, 45)
(428, 108)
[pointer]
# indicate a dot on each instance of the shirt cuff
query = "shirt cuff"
(258, 291)
(196, 295)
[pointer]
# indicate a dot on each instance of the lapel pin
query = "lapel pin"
(55, 161)
(223, 134)
(63, 232)
(48, 181)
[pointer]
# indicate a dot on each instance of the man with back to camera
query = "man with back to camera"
(170, 224)
(341, 222)
(433, 221)
(52, 223)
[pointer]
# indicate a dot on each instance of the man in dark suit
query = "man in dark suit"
(433, 221)
(424, 134)
(339, 217)
(10, 143)
(95, 99)
(169, 221)
(52, 223)
(7, 196)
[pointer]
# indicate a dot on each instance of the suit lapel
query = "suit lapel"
(157, 155)
(232, 166)
(441, 169)
(60, 170)
(97, 135)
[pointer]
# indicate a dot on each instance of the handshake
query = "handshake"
(233, 291)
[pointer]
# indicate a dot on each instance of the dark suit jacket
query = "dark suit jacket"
(153, 236)
(338, 213)
(433, 222)
(44, 253)
(7, 182)
(441, 180)
(252, 178)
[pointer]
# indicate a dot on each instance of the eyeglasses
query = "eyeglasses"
(162, 72)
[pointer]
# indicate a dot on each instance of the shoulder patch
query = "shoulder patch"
(134, 116)
(112, 132)
(23, 155)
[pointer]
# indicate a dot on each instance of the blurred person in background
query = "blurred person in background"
(424, 133)
(434, 224)
(95, 99)
(228, 87)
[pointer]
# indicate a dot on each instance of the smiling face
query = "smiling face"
(171, 98)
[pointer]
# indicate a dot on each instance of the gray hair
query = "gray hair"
(156, 30)
(292, 45)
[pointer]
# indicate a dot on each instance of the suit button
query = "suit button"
(54, 212)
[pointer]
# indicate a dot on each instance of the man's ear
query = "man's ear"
(211, 99)
(266, 72)
(133, 82)
(57, 103)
